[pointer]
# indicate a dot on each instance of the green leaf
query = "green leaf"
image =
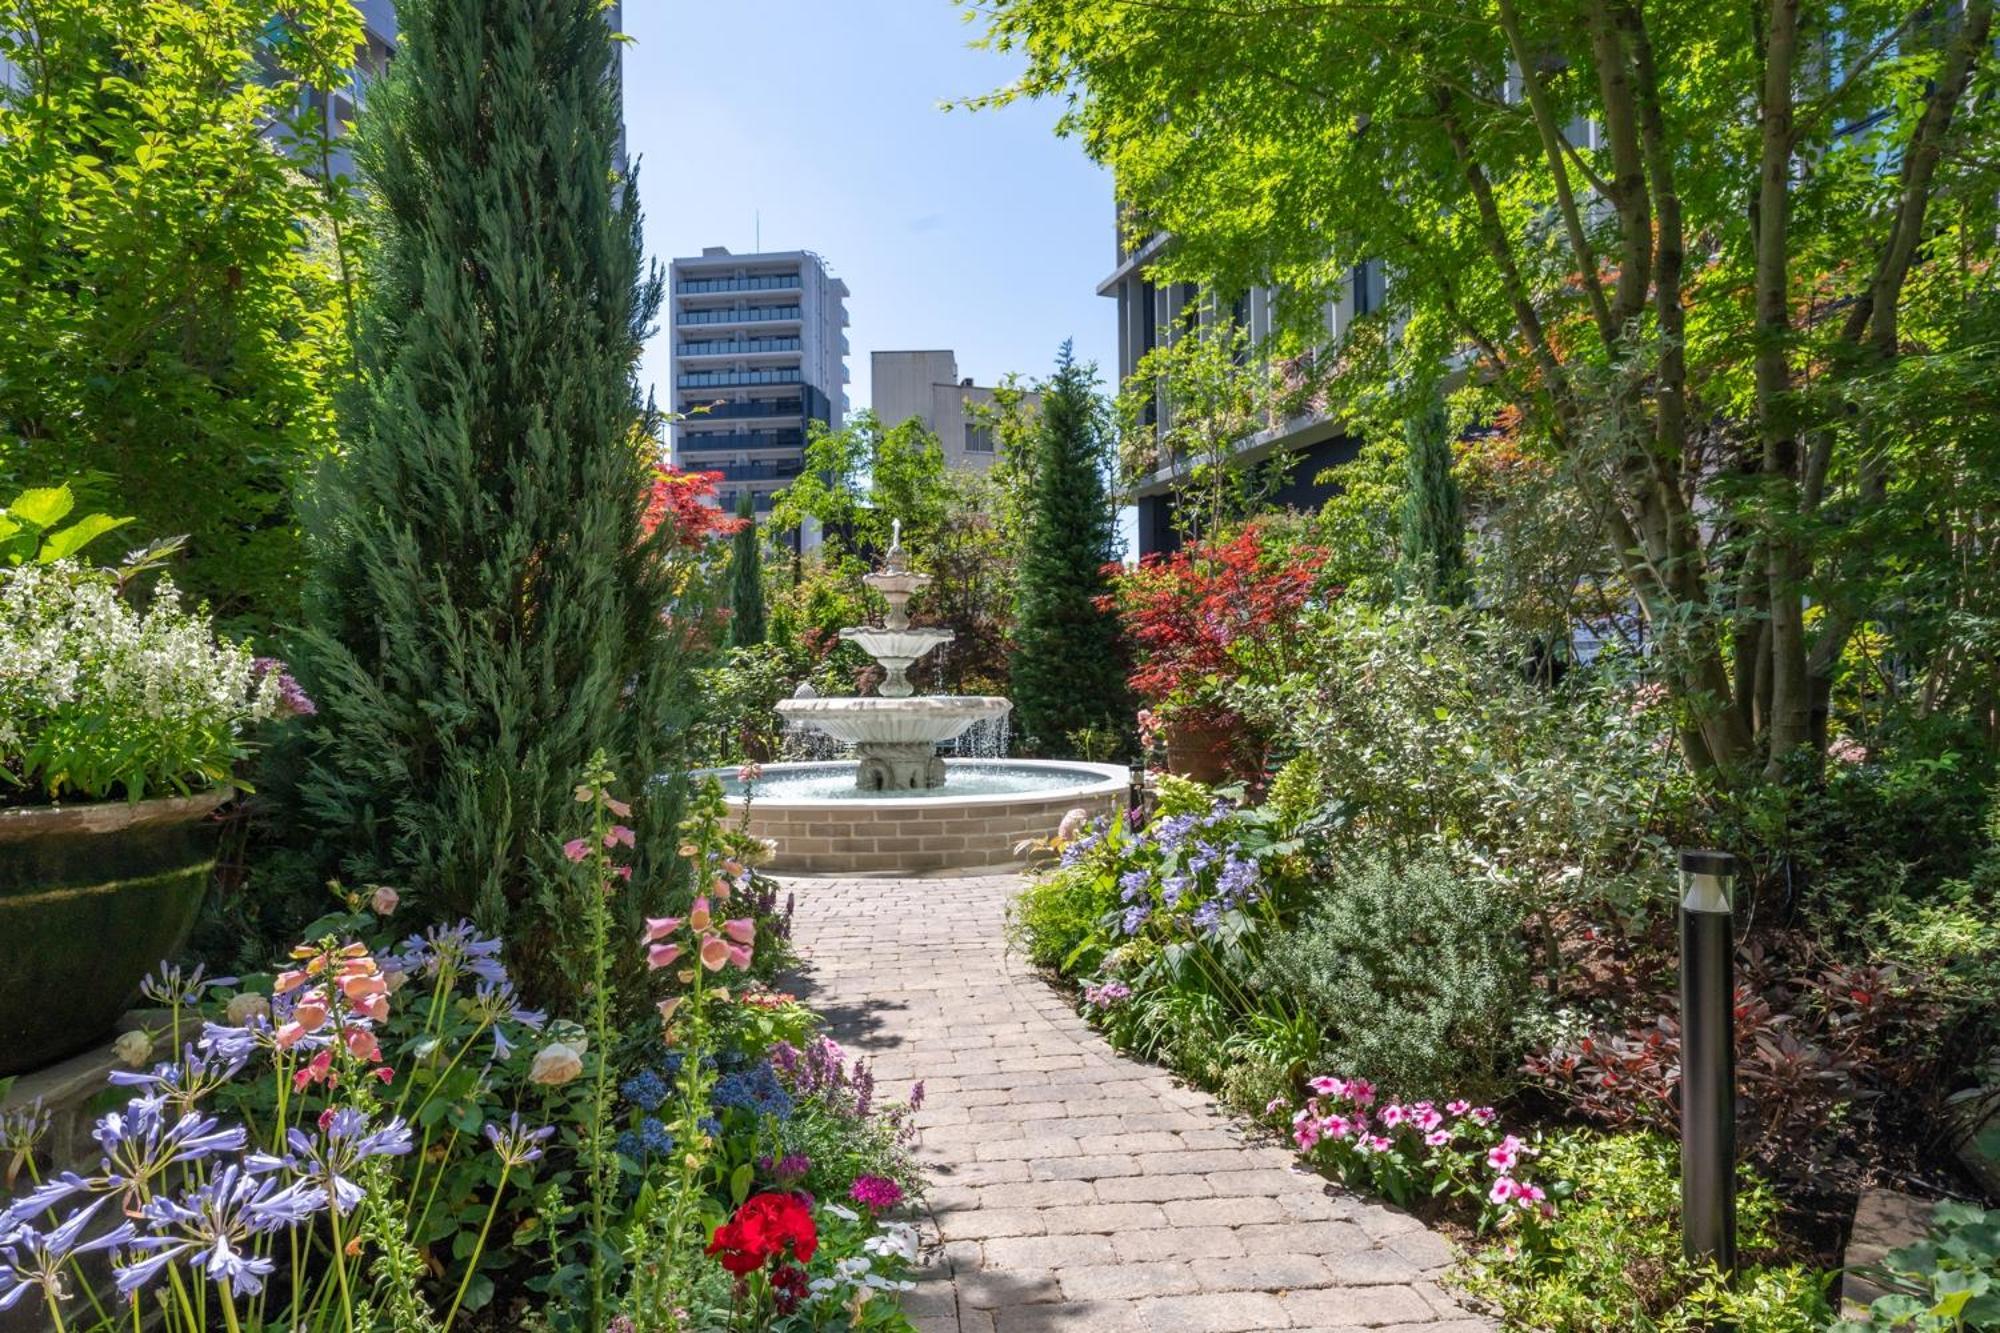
(44, 506)
(739, 1183)
(70, 540)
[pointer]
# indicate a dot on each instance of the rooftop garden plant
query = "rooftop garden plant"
(106, 694)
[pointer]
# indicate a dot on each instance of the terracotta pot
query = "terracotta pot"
(92, 897)
(1202, 750)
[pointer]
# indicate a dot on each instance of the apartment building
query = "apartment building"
(759, 351)
(926, 385)
(1150, 314)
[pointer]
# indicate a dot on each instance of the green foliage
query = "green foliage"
(860, 479)
(1611, 1262)
(1949, 1280)
(1428, 726)
(485, 609)
(1056, 920)
(29, 531)
(1067, 667)
(1433, 518)
(182, 350)
(1417, 973)
(1692, 313)
(746, 577)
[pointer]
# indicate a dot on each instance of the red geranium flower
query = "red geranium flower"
(765, 1228)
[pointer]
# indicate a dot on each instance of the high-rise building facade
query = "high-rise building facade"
(1151, 314)
(759, 350)
(926, 385)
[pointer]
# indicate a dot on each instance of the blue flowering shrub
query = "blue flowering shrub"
(1164, 927)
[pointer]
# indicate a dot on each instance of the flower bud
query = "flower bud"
(554, 1065)
(133, 1048)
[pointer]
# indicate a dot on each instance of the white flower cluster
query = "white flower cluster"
(153, 692)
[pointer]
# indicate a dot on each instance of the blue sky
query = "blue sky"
(981, 232)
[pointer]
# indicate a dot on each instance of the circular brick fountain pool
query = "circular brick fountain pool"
(823, 824)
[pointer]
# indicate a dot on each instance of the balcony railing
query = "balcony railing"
(761, 407)
(780, 470)
(723, 442)
(725, 379)
(757, 282)
(756, 314)
(739, 347)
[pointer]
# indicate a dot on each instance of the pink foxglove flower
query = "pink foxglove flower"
(659, 927)
(743, 930)
(577, 848)
(699, 917)
(618, 836)
(617, 807)
(383, 901)
(714, 953)
(662, 955)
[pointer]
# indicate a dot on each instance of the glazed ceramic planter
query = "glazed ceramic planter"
(1201, 750)
(92, 897)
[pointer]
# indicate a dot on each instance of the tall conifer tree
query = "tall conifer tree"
(485, 611)
(1433, 526)
(1068, 672)
(746, 577)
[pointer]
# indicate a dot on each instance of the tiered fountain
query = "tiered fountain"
(895, 734)
(898, 806)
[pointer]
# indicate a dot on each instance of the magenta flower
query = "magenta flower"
(1437, 1138)
(1459, 1107)
(878, 1193)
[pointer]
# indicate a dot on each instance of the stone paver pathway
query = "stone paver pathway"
(1074, 1188)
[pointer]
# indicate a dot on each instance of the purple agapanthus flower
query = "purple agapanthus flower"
(184, 1083)
(1132, 884)
(1205, 855)
(455, 948)
(1209, 915)
(1174, 890)
(1238, 881)
(140, 1144)
(327, 1160)
(1134, 918)
(212, 1227)
(33, 1259)
(174, 989)
(517, 1146)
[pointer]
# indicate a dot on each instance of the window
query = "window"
(978, 438)
(1368, 284)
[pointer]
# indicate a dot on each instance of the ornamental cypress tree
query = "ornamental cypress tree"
(1068, 666)
(746, 577)
(1433, 520)
(485, 607)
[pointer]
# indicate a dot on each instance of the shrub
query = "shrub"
(1055, 921)
(1428, 727)
(1612, 1258)
(1416, 971)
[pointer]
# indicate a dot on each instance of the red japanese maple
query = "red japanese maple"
(686, 502)
(1214, 613)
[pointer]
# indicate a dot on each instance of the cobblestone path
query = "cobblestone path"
(1073, 1188)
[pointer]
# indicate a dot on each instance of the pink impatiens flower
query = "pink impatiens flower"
(1361, 1092)
(1326, 1085)
(1505, 1154)
(1503, 1189)
(1485, 1115)
(1305, 1129)
(1437, 1138)
(1393, 1115)
(1459, 1107)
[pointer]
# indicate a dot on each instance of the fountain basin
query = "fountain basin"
(822, 824)
(868, 719)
